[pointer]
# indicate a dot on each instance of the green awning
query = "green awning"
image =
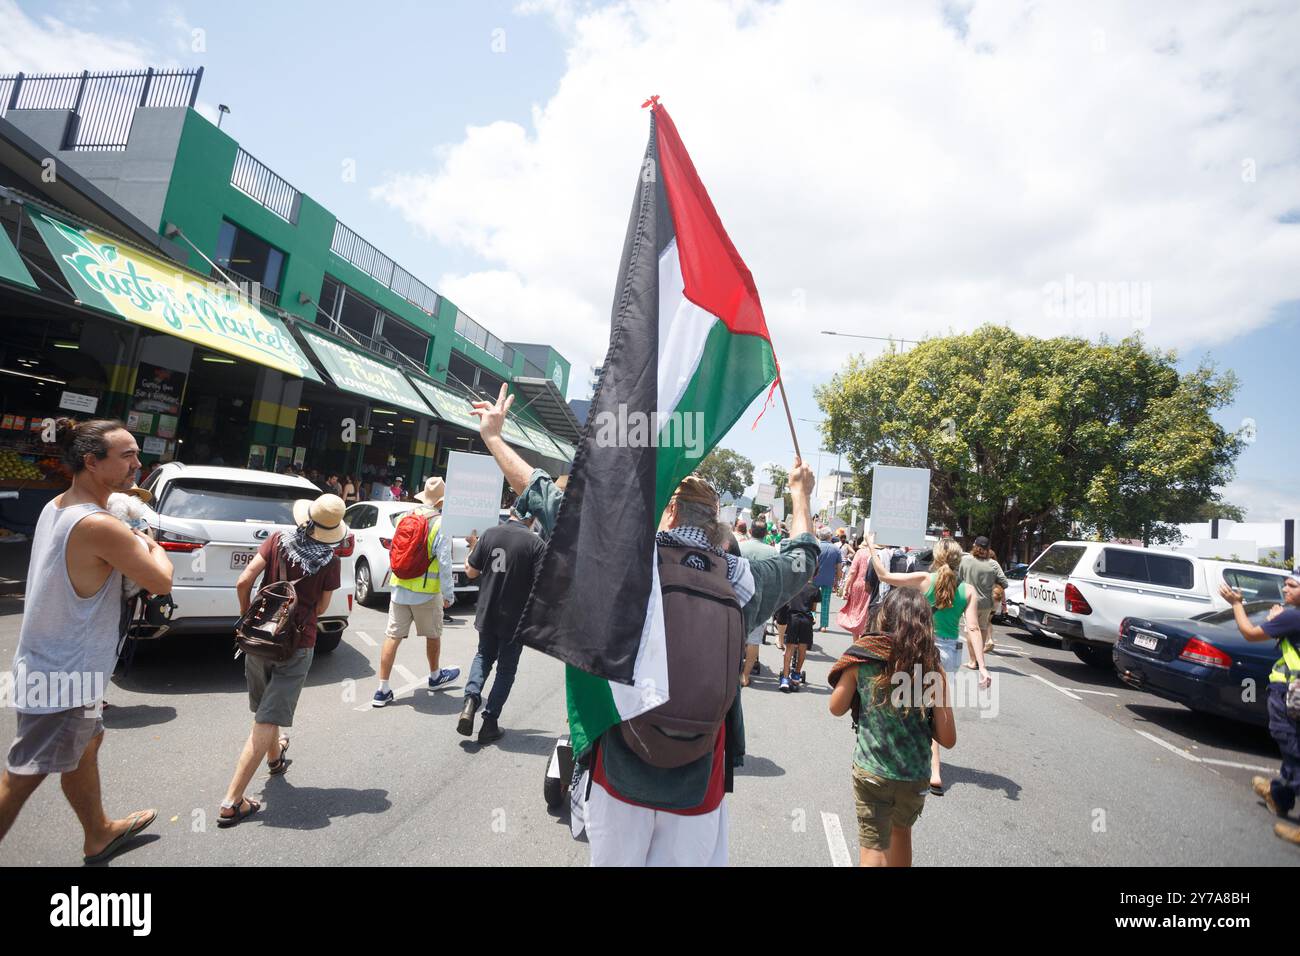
(141, 288)
(450, 406)
(356, 372)
(11, 263)
(545, 444)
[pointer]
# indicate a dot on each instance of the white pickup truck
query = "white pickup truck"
(1080, 591)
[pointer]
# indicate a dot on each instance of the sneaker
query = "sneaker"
(785, 685)
(381, 698)
(1264, 790)
(444, 677)
(796, 677)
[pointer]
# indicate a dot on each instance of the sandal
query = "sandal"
(139, 821)
(936, 789)
(277, 767)
(239, 815)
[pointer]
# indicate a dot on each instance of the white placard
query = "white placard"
(900, 505)
(473, 497)
(727, 515)
(765, 494)
(778, 508)
(74, 401)
(154, 446)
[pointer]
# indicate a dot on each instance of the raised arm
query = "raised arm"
(910, 579)
(1251, 632)
(491, 417)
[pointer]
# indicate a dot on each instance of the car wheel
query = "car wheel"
(327, 642)
(364, 591)
(1098, 657)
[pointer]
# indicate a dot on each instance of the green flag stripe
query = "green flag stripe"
(733, 370)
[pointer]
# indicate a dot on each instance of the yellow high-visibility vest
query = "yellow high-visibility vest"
(1289, 661)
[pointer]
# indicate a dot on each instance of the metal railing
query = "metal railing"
(350, 247)
(102, 104)
(258, 182)
(475, 334)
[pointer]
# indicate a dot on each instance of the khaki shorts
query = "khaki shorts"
(986, 624)
(53, 743)
(274, 688)
(885, 804)
(426, 617)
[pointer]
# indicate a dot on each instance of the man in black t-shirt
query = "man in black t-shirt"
(798, 636)
(505, 560)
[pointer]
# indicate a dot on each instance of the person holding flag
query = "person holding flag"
(635, 592)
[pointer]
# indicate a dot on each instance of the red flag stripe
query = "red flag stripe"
(716, 278)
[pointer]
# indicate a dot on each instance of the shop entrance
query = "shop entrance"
(216, 410)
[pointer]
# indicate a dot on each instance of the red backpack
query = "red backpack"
(409, 555)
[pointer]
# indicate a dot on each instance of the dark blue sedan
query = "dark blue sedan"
(1203, 663)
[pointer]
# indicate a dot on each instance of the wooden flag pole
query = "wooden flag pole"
(780, 381)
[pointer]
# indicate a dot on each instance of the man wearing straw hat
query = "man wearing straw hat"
(421, 600)
(306, 557)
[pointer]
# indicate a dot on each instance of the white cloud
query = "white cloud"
(49, 44)
(880, 172)
(1264, 499)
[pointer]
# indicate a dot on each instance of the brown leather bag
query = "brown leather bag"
(269, 628)
(706, 642)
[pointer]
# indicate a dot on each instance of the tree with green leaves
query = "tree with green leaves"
(1029, 439)
(728, 471)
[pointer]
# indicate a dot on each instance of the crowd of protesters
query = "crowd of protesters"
(908, 612)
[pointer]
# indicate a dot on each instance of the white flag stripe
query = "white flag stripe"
(683, 329)
(650, 672)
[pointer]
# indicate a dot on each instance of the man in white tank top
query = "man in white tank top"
(69, 638)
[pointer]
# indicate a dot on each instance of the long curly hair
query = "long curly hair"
(947, 559)
(906, 617)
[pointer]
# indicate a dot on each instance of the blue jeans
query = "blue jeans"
(504, 653)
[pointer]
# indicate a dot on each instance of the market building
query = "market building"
(152, 269)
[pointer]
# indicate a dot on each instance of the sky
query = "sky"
(903, 169)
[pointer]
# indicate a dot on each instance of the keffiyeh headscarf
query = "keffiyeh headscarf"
(305, 551)
(738, 573)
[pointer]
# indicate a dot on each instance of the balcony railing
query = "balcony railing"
(350, 247)
(267, 296)
(475, 334)
(102, 104)
(255, 179)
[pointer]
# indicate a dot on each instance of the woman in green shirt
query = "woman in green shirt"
(952, 601)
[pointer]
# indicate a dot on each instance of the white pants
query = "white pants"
(625, 835)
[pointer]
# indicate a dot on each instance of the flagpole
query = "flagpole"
(788, 417)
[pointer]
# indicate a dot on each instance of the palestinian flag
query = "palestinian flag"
(688, 351)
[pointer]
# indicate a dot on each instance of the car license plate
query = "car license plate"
(1150, 643)
(241, 559)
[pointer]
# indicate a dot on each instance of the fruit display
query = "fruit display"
(53, 468)
(14, 467)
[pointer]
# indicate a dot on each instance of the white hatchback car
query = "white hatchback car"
(373, 523)
(212, 521)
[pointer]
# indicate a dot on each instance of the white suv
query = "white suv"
(1080, 591)
(212, 521)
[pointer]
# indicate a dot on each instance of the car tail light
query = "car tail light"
(345, 549)
(387, 543)
(1024, 590)
(1075, 602)
(1199, 652)
(349, 603)
(175, 541)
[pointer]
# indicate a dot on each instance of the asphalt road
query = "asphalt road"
(1059, 764)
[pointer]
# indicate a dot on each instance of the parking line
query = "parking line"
(412, 682)
(367, 638)
(1067, 693)
(835, 840)
(1099, 693)
(1239, 766)
(1168, 746)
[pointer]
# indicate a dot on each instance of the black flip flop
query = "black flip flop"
(119, 841)
(241, 815)
(936, 791)
(281, 765)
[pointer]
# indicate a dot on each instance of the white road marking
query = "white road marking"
(835, 840)
(412, 682)
(367, 638)
(1168, 746)
(1067, 693)
(1239, 766)
(1099, 693)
